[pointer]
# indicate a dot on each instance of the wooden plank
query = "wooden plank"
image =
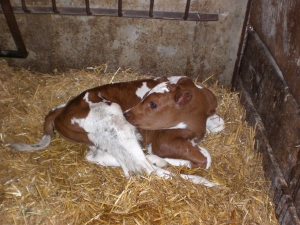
(271, 97)
(276, 23)
(285, 205)
(273, 106)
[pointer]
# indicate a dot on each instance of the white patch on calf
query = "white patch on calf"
(157, 161)
(179, 126)
(109, 131)
(207, 155)
(178, 162)
(204, 152)
(193, 142)
(86, 98)
(149, 148)
(141, 91)
(175, 79)
(160, 88)
(198, 180)
(127, 110)
(198, 86)
(193, 178)
(45, 141)
(58, 107)
(100, 96)
(102, 158)
(214, 124)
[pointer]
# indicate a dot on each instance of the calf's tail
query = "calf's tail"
(47, 137)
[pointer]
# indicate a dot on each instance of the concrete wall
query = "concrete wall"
(151, 46)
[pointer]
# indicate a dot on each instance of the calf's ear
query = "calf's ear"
(184, 97)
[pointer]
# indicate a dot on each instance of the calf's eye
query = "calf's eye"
(152, 105)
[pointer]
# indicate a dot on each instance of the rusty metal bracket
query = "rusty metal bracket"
(55, 8)
(24, 7)
(118, 12)
(14, 30)
(187, 9)
(151, 8)
(87, 6)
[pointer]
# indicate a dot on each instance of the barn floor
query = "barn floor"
(57, 185)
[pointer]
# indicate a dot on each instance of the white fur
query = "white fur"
(109, 131)
(102, 158)
(141, 91)
(198, 86)
(99, 95)
(207, 155)
(162, 162)
(60, 106)
(116, 142)
(178, 162)
(160, 88)
(198, 180)
(149, 148)
(193, 178)
(193, 142)
(204, 152)
(157, 161)
(45, 141)
(175, 79)
(214, 124)
(182, 162)
(179, 126)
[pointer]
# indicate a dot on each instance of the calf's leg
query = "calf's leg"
(179, 151)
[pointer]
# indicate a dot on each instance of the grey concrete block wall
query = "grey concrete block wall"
(150, 46)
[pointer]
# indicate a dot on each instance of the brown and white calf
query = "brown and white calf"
(170, 115)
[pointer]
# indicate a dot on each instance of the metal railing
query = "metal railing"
(21, 51)
(118, 12)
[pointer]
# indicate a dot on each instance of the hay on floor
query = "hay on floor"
(57, 185)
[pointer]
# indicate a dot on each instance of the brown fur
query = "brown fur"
(184, 103)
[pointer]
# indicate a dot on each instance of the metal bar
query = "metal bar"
(187, 9)
(87, 6)
(126, 13)
(120, 14)
(151, 8)
(54, 7)
(15, 32)
(24, 7)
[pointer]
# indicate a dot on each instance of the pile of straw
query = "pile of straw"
(57, 185)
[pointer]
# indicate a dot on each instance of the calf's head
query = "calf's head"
(174, 104)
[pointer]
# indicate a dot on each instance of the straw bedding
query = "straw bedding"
(57, 185)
